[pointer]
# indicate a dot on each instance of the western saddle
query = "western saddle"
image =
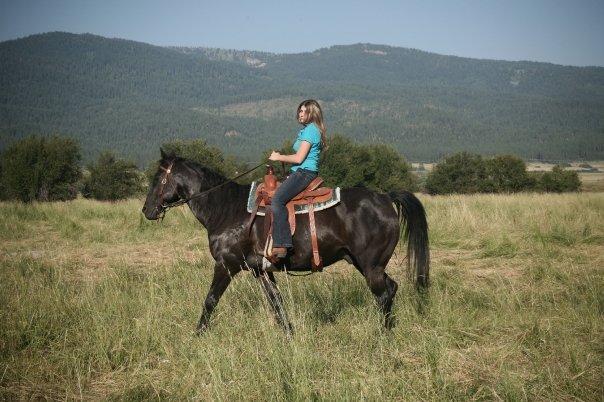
(312, 194)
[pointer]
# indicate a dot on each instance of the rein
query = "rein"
(183, 201)
(166, 207)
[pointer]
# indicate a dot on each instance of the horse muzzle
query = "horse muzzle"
(154, 213)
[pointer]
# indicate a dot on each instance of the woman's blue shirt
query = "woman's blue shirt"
(312, 135)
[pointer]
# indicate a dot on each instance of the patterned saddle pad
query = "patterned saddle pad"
(298, 209)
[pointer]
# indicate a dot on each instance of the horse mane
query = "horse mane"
(212, 177)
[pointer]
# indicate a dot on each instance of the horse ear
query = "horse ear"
(167, 155)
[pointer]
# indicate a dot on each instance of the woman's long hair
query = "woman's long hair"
(315, 115)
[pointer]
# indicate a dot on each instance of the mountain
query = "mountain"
(131, 97)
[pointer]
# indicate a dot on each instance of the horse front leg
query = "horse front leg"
(220, 281)
(269, 285)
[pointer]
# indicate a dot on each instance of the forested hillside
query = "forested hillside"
(130, 97)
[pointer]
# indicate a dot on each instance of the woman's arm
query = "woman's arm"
(296, 158)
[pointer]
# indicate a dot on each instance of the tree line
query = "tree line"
(132, 95)
(49, 169)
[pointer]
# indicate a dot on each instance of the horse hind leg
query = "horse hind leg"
(392, 287)
(384, 289)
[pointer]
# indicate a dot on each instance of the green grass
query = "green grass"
(98, 303)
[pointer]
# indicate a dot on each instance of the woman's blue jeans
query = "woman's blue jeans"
(293, 185)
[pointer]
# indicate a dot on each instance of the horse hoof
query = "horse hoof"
(389, 323)
(199, 331)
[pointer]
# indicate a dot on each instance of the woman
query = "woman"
(305, 168)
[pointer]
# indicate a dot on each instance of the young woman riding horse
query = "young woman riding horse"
(363, 229)
(309, 143)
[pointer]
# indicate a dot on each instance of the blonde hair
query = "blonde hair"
(315, 115)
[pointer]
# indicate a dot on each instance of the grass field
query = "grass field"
(97, 303)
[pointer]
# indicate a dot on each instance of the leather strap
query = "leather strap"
(317, 181)
(316, 263)
(263, 195)
(291, 217)
(254, 212)
(268, 220)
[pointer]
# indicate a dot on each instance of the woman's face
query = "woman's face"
(303, 115)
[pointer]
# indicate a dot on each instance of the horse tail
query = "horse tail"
(414, 228)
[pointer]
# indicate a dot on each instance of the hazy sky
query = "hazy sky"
(568, 32)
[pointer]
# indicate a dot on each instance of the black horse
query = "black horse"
(363, 229)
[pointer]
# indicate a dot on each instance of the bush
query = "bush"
(112, 179)
(507, 174)
(201, 152)
(41, 169)
(559, 180)
(468, 173)
(377, 167)
(463, 173)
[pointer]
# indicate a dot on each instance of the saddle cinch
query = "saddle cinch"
(305, 202)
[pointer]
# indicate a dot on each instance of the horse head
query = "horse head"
(165, 189)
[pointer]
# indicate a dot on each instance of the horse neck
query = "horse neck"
(196, 179)
(220, 204)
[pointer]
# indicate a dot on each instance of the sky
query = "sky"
(566, 32)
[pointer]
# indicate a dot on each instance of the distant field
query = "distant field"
(98, 303)
(592, 181)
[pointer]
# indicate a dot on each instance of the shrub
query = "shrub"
(378, 167)
(112, 179)
(41, 169)
(463, 173)
(507, 174)
(559, 180)
(201, 152)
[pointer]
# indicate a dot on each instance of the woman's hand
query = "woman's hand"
(298, 157)
(275, 156)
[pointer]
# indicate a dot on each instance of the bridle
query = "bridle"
(165, 179)
(163, 208)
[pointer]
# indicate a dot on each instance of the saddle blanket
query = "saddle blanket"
(298, 209)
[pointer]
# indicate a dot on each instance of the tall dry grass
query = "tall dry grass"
(99, 304)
